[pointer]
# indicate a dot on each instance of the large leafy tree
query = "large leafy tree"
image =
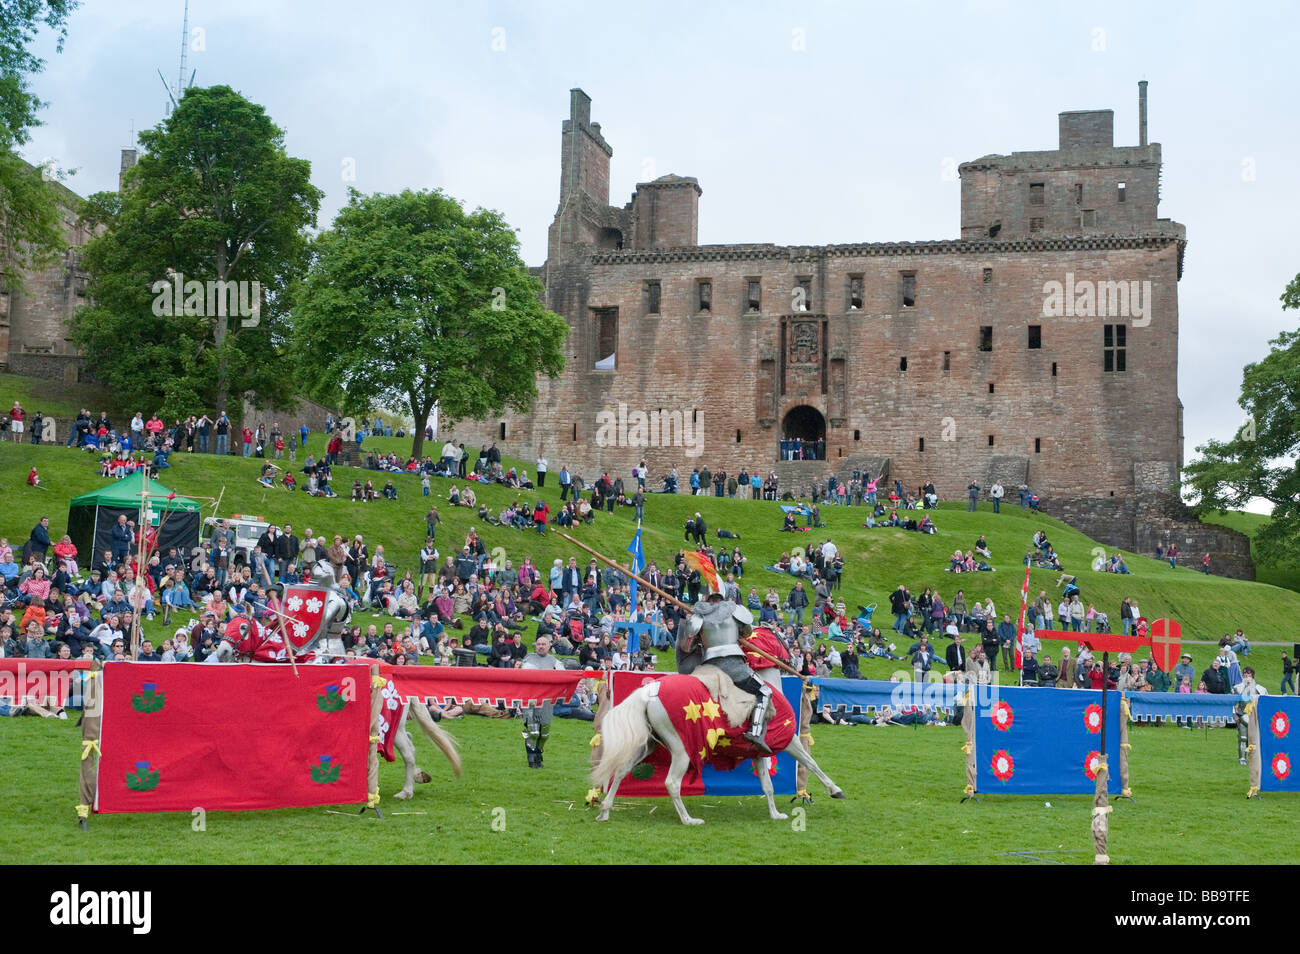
(214, 198)
(411, 300)
(30, 232)
(1262, 460)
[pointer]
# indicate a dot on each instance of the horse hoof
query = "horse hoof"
(838, 793)
(603, 816)
(423, 777)
(404, 793)
(780, 816)
(693, 821)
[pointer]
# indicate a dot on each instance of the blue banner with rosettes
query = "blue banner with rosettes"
(1045, 741)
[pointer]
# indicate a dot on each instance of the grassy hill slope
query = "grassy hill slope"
(1250, 524)
(877, 560)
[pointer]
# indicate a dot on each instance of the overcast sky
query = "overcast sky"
(805, 123)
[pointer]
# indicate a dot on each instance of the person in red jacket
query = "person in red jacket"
(16, 416)
(540, 514)
(334, 448)
(248, 442)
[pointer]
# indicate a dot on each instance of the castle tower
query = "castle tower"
(1086, 186)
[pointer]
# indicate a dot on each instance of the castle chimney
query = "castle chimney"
(129, 157)
(1142, 112)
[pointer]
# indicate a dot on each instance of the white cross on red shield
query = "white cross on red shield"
(304, 609)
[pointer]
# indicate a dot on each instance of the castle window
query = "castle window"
(754, 296)
(857, 435)
(986, 337)
(947, 360)
(908, 288)
(990, 440)
(902, 363)
(1038, 445)
(502, 431)
(920, 445)
(988, 276)
(606, 321)
(575, 433)
(1114, 346)
(1120, 192)
(1088, 218)
(855, 292)
(990, 387)
(704, 291)
(1053, 369)
(994, 229)
(737, 435)
(1035, 336)
(801, 295)
(653, 291)
(1036, 224)
(1037, 193)
(1078, 193)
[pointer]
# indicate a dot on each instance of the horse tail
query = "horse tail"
(625, 736)
(440, 736)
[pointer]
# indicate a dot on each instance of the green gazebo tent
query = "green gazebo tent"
(91, 517)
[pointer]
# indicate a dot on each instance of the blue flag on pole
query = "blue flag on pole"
(638, 564)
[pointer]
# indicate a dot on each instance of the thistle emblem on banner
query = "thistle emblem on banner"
(143, 779)
(332, 701)
(149, 699)
(325, 772)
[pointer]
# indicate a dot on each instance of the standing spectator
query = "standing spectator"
(541, 470)
(973, 489)
(1205, 564)
(223, 434)
(566, 482)
(1172, 556)
(39, 542)
(247, 438)
(1288, 675)
(996, 492)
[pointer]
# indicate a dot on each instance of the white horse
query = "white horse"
(630, 730)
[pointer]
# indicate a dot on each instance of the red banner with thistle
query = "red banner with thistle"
(180, 736)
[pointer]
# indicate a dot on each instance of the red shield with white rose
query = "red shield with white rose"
(304, 611)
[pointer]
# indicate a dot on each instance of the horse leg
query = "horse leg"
(800, 754)
(765, 777)
(664, 731)
(608, 803)
(406, 749)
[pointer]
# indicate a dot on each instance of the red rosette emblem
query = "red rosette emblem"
(1002, 716)
(1092, 763)
(1281, 766)
(1003, 765)
(1280, 725)
(1092, 718)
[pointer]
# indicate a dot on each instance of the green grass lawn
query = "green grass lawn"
(904, 784)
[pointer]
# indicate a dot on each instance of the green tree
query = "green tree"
(412, 300)
(214, 198)
(30, 217)
(1261, 459)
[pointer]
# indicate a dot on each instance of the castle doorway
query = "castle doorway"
(803, 434)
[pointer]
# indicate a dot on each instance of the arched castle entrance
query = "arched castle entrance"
(803, 434)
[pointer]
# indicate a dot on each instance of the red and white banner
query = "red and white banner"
(514, 688)
(180, 736)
